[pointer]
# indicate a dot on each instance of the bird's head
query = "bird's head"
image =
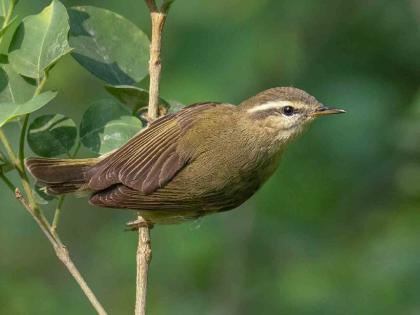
(284, 111)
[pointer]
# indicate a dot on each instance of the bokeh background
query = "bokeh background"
(336, 230)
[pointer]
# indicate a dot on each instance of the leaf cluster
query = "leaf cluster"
(106, 44)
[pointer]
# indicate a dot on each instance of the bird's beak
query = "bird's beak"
(323, 110)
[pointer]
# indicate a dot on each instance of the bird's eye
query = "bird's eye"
(288, 110)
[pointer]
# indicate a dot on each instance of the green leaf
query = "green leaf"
(108, 45)
(132, 96)
(6, 35)
(7, 26)
(5, 7)
(13, 87)
(52, 135)
(40, 40)
(9, 111)
(107, 125)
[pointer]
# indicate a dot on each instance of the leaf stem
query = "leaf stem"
(7, 17)
(62, 198)
(9, 13)
(152, 5)
(21, 153)
(7, 146)
(76, 150)
(41, 84)
(22, 137)
(24, 128)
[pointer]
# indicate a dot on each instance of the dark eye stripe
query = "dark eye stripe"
(261, 114)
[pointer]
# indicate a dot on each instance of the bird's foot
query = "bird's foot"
(136, 224)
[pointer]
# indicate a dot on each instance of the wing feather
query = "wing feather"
(151, 159)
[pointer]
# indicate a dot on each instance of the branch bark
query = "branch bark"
(61, 252)
(144, 250)
(155, 64)
(37, 214)
(143, 258)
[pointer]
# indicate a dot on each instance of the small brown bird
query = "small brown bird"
(206, 158)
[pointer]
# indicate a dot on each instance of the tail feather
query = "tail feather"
(61, 176)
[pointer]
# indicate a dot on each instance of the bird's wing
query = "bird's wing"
(150, 159)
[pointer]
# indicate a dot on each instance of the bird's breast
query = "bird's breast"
(224, 177)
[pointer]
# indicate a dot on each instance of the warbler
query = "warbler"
(206, 158)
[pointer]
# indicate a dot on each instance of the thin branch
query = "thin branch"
(62, 253)
(143, 258)
(166, 6)
(21, 154)
(8, 147)
(37, 214)
(144, 250)
(62, 198)
(152, 5)
(155, 65)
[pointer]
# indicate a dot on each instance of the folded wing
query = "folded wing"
(150, 159)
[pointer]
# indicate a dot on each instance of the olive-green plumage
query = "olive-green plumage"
(208, 157)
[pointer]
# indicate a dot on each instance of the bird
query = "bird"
(206, 158)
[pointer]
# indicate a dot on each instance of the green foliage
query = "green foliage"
(108, 45)
(7, 26)
(336, 228)
(9, 111)
(13, 87)
(5, 7)
(40, 40)
(105, 43)
(106, 125)
(132, 96)
(52, 135)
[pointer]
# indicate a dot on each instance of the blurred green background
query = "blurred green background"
(336, 230)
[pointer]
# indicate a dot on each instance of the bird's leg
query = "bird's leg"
(136, 224)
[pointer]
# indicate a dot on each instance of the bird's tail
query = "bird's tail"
(61, 176)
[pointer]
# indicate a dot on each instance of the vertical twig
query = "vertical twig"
(143, 258)
(144, 251)
(155, 65)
